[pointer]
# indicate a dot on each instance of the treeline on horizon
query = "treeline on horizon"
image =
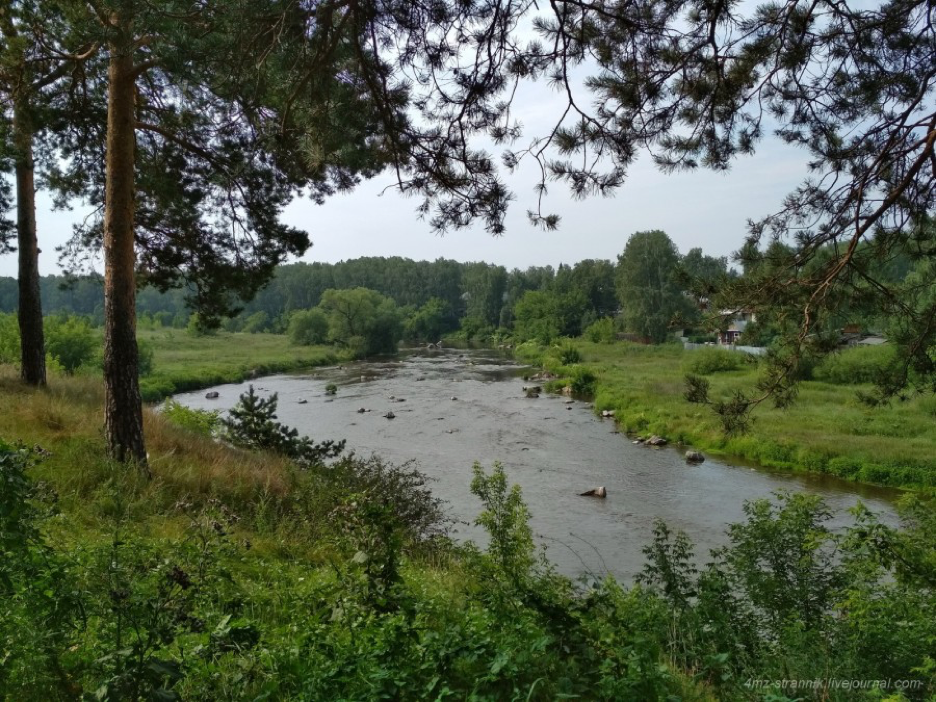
(651, 290)
(486, 294)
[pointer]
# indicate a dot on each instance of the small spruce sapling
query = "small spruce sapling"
(252, 424)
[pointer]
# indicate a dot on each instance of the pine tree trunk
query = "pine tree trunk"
(32, 341)
(123, 408)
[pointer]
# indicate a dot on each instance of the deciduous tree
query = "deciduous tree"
(648, 286)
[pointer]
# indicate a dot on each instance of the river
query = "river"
(453, 407)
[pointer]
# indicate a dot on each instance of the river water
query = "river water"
(453, 407)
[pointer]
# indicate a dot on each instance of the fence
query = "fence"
(753, 350)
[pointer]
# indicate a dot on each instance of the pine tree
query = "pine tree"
(33, 67)
(252, 424)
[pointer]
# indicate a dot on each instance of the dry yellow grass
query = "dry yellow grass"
(66, 419)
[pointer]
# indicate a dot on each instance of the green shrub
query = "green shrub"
(204, 422)
(601, 331)
(404, 489)
(145, 358)
(257, 323)
(307, 327)
(38, 609)
(196, 327)
(582, 381)
(569, 354)
(708, 361)
(845, 467)
(506, 519)
(9, 338)
(859, 364)
(72, 341)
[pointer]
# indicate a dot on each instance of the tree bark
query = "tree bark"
(123, 407)
(32, 341)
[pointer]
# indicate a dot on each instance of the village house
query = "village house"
(734, 323)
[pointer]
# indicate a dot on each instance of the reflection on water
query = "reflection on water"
(454, 407)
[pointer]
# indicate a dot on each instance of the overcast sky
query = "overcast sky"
(701, 208)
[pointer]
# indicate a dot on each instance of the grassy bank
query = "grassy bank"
(185, 362)
(827, 430)
(230, 575)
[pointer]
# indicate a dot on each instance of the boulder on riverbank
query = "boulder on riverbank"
(656, 441)
(595, 492)
(606, 414)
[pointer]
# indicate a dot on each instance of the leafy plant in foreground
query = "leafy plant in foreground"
(788, 598)
(38, 608)
(199, 421)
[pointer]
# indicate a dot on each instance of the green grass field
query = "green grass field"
(827, 430)
(185, 362)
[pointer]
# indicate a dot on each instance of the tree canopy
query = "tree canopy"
(362, 320)
(219, 113)
(648, 286)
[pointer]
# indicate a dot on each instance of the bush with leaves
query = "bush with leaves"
(205, 422)
(569, 354)
(307, 327)
(600, 331)
(9, 339)
(860, 364)
(582, 381)
(419, 514)
(788, 598)
(252, 424)
(38, 605)
(714, 360)
(72, 341)
(506, 519)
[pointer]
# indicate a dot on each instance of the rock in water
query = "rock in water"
(213, 395)
(595, 492)
(303, 402)
(694, 456)
(389, 415)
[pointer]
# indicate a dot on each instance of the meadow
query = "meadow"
(826, 430)
(183, 361)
